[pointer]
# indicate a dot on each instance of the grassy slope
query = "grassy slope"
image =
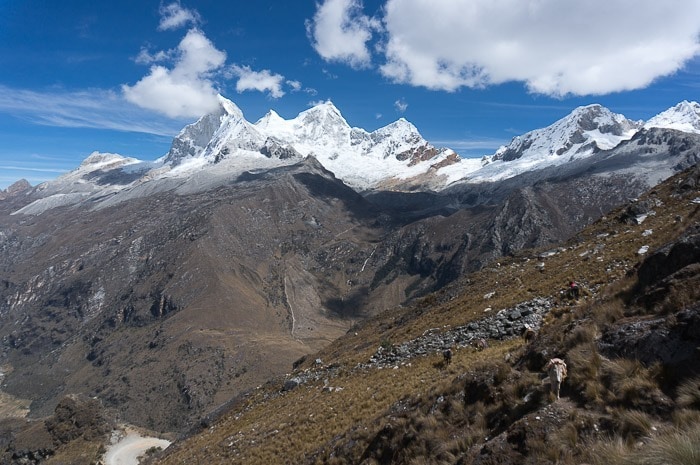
(424, 412)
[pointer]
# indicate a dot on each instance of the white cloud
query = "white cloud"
(400, 105)
(186, 89)
(174, 16)
(295, 85)
(554, 47)
(262, 81)
(340, 31)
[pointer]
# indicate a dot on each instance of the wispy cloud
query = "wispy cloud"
(34, 173)
(93, 108)
(174, 16)
(401, 106)
(37, 170)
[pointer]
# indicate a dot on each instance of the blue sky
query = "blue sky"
(125, 76)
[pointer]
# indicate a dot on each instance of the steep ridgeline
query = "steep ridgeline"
(362, 159)
(165, 288)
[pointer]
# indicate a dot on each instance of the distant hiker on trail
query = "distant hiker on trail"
(573, 290)
(447, 356)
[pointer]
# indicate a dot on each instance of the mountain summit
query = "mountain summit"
(683, 117)
(584, 131)
(362, 159)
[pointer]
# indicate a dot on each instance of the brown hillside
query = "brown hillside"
(383, 394)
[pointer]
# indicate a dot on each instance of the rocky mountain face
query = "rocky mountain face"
(167, 288)
(16, 188)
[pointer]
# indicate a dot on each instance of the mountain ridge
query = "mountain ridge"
(394, 157)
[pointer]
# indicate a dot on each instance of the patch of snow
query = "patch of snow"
(53, 201)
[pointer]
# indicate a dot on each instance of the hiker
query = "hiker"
(447, 356)
(573, 290)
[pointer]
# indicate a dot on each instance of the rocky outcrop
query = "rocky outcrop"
(78, 425)
(670, 340)
(78, 417)
(16, 188)
(670, 259)
(505, 324)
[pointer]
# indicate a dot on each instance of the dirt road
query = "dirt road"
(130, 447)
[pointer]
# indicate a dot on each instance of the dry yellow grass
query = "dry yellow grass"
(296, 423)
(13, 407)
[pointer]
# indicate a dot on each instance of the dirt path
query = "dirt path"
(130, 448)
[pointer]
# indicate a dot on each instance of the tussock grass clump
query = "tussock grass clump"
(632, 424)
(688, 394)
(608, 312)
(678, 447)
(613, 451)
(584, 372)
(685, 418)
(632, 384)
(582, 334)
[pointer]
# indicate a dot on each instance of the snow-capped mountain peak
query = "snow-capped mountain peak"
(194, 138)
(683, 117)
(229, 107)
(583, 132)
(322, 122)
